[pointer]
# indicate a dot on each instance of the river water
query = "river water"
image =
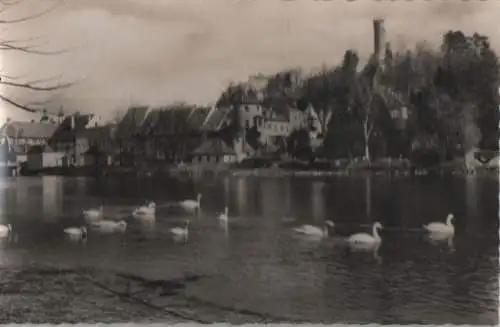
(257, 263)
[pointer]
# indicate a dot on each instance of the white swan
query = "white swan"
(5, 230)
(79, 232)
(178, 231)
(313, 230)
(191, 205)
(94, 213)
(365, 238)
(109, 226)
(438, 227)
(224, 216)
(147, 210)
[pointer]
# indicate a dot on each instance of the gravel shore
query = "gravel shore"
(42, 295)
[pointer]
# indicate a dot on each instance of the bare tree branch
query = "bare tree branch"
(17, 104)
(26, 18)
(36, 88)
(6, 45)
(24, 46)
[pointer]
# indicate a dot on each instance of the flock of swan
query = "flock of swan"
(437, 230)
(95, 219)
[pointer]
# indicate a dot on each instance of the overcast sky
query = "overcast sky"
(159, 51)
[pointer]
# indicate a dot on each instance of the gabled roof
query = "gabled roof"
(64, 133)
(130, 123)
(214, 146)
(217, 118)
(17, 129)
(150, 122)
(197, 118)
(180, 117)
(98, 133)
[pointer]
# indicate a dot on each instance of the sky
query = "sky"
(154, 52)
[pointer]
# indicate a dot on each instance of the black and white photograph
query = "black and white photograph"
(249, 162)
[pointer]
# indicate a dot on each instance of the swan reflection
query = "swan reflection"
(367, 247)
(438, 239)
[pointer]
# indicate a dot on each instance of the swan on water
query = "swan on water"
(178, 231)
(315, 231)
(80, 232)
(146, 210)
(109, 226)
(5, 230)
(365, 238)
(224, 216)
(93, 213)
(191, 205)
(439, 227)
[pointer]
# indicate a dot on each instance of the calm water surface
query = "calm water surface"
(258, 264)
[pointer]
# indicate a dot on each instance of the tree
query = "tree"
(24, 47)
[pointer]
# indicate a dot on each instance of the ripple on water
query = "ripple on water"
(258, 265)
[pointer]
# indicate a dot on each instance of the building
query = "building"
(22, 135)
(218, 151)
(42, 156)
(128, 145)
(98, 145)
(176, 132)
(64, 138)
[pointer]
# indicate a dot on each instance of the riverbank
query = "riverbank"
(42, 294)
(55, 296)
(384, 167)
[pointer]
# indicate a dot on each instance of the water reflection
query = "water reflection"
(317, 201)
(146, 223)
(241, 196)
(471, 201)
(368, 196)
(51, 193)
(439, 239)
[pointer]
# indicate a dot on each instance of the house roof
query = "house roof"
(217, 119)
(131, 122)
(16, 129)
(64, 132)
(198, 117)
(98, 133)
(150, 122)
(180, 117)
(214, 146)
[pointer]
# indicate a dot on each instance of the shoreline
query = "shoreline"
(199, 171)
(91, 295)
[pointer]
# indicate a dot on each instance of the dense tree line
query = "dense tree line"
(425, 104)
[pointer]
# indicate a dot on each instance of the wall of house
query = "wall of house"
(82, 144)
(272, 129)
(52, 159)
(250, 112)
(22, 158)
(298, 119)
(37, 161)
(34, 161)
(213, 159)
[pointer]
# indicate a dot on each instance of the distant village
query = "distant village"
(183, 134)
